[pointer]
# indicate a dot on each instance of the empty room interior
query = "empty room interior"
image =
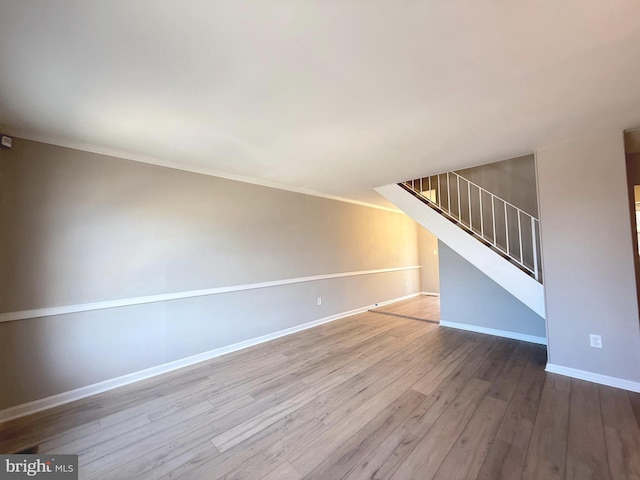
(321, 240)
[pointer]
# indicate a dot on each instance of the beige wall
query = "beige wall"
(429, 263)
(78, 227)
(82, 227)
(588, 257)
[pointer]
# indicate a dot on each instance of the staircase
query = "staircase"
(497, 237)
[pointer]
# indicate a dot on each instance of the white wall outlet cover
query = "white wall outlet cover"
(595, 341)
(7, 141)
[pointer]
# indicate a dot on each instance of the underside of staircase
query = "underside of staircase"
(516, 277)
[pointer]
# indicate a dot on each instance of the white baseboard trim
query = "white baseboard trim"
(594, 377)
(399, 299)
(125, 302)
(493, 331)
(100, 387)
(430, 294)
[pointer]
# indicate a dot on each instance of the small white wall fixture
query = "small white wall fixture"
(508, 276)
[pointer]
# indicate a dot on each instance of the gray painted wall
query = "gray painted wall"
(428, 251)
(513, 179)
(468, 296)
(588, 256)
(77, 227)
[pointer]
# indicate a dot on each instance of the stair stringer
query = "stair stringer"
(504, 273)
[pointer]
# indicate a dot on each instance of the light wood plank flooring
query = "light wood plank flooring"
(422, 307)
(367, 397)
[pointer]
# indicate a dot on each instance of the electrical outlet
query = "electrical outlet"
(595, 341)
(319, 300)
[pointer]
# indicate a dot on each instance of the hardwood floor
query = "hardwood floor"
(422, 307)
(367, 397)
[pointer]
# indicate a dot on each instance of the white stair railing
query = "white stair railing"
(507, 228)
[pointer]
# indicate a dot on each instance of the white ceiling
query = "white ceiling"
(332, 96)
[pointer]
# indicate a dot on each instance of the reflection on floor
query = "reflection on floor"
(422, 307)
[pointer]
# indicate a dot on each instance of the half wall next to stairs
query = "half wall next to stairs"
(501, 271)
(470, 300)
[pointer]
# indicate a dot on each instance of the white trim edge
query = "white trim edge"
(594, 377)
(100, 387)
(191, 168)
(495, 332)
(387, 302)
(125, 302)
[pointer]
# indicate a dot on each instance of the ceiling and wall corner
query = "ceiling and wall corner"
(331, 97)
